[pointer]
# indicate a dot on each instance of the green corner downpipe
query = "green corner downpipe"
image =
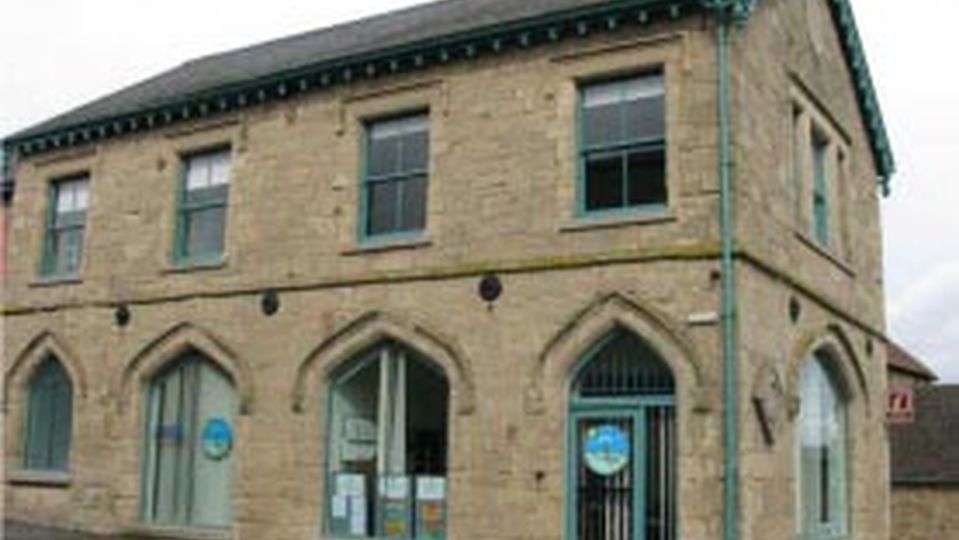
(727, 267)
(727, 11)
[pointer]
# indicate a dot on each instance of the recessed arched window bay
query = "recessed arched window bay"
(622, 443)
(387, 446)
(49, 418)
(190, 439)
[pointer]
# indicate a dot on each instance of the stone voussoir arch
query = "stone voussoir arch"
(553, 367)
(366, 331)
(171, 345)
(44, 344)
(832, 340)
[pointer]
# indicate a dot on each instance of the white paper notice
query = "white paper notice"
(350, 485)
(339, 509)
(397, 487)
(358, 516)
(430, 488)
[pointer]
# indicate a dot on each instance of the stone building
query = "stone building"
(905, 370)
(925, 467)
(923, 452)
(477, 269)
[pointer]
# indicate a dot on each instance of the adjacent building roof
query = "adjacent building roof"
(403, 40)
(899, 359)
(927, 451)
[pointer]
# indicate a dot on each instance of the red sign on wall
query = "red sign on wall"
(901, 408)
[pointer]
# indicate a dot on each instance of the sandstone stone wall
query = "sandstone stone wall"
(924, 512)
(502, 164)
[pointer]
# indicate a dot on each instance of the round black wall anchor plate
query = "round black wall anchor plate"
(490, 287)
(122, 315)
(270, 302)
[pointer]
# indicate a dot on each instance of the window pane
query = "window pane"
(205, 170)
(381, 207)
(67, 251)
(71, 195)
(204, 231)
(415, 151)
(623, 111)
(644, 119)
(62, 423)
(601, 125)
(40, 433)
(384, 157)
(604, 182)
(820, 148)
(69, 219)
(414, 204)
(210, 195)
(821, 453)
(49, 428)
(220, 169)
(397, 146)
(647, 178)
(198, 173)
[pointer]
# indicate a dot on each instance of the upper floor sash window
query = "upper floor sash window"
(395, 176)
(622, 147)
(63, 245)
(201, 217)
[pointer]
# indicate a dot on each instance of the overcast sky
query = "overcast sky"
(57, 54)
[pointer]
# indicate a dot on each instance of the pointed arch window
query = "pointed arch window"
(821, 453)
(190, 445)
(621, 466)
(49, 424)
(386, 453)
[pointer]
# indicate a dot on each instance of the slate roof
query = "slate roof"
(211, 79)
(899, 359)
(416, 24)
(927, 451)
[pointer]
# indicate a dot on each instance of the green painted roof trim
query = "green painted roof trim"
(497, 39)
(493, 39)
(866, 91)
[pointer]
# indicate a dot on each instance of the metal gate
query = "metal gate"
(622, 440)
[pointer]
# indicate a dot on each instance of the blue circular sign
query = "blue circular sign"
(217, 439)
(606, 449)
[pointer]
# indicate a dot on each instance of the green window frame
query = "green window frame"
(49, 418)
(822, 443)
(66, 225)
(202, 204)
(395, 177)
(820, 155)
(621, 145)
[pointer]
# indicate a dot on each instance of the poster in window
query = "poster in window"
(430, 507)
(348, 505)
(430, 488)
(395, 492)
(357, 509)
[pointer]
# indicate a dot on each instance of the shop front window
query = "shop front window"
(387, 447)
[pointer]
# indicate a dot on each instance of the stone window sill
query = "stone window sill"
(155, 532)
(50, 479)
(826, 253)
(56, 281)
(196, 265)
(386, 245)
(617, 219)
